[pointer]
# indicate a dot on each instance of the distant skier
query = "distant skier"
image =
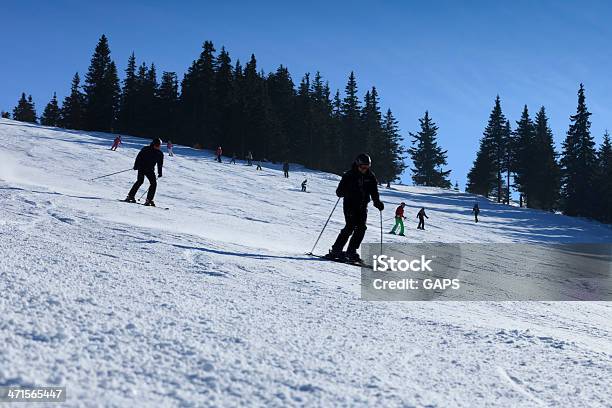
(169, 146)
(258, 165)
(219, 153)
(116, 143)
(356, 187)
(145, 162)
(249, 159)
(399, 220)
(304, 185)
(476, 211)
(421, 216)
(233, 161)
(286, 168)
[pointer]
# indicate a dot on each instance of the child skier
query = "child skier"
(421, 216)
(116, 143)
(399, 220)
(219, 153)
(476, 211)
(169, 146)
(304, 185)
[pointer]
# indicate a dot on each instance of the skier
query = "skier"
(116, 143)
(421, 216)
(286, 168)
(258, 165)
(356, 187)
(476, 211)
(233, 161)
(249, 159)
(145, 162)
(169, 146)
(219, 153)
(399, 220)
(304, 185)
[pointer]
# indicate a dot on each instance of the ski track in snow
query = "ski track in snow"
(213, 304)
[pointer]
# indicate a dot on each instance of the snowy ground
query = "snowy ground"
(213, 304)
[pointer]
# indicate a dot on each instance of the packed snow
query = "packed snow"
(213, 302)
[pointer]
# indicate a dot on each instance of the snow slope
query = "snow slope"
(213, 304)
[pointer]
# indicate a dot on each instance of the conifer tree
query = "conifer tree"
(427, 157)
(546, 173)
(353, 140)
(225, 95)
(578, 163)
(101, 89)
(72, 112)
(126, 118)
(25, 110)
(5, 115)
(524, 166)
(168, 105)
(283, 99)
(603, 180)
(51, 114)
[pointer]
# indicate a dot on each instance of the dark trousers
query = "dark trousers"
(355, 219)
(421, 223)
(286, 173)
(476, 217)
(150, 175)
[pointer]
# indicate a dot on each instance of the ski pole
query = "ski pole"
(143, 194)
(381, 234)
(112, 174)
(325, 226)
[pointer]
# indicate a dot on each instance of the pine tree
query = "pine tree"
(126, 116)
(25, 110)
(603, 180)
(101, 89)
(5, 115)
(578, 163)
(546, 172)
(524, 166)
(372, 128)
(168, 105)
(485, 176)
(427, 157)
(321, 127)
(301, 140)
(51, 114)
(392, 164)
(225, 98)
(72, 112)
(283, 100)
(352, 132)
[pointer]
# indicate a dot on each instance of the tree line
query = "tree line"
(577, 182)
(241, 108)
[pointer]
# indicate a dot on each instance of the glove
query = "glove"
(379, 205)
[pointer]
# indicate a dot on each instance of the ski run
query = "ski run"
(213, 302)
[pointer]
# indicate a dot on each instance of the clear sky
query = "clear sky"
(448, 57)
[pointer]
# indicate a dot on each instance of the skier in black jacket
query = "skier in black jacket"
(356, 187)
(147, 158)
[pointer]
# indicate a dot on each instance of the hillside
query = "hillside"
(213, 302)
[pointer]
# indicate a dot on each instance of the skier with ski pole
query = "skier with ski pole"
(145, 162)
(356, 187)
(116, 143)
(421, 216)
(399, 220)
(476, 211)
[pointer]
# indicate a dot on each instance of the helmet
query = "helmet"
(402, 203)
(156, 142)
(363, 158)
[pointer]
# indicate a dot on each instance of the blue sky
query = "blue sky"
(448, 57)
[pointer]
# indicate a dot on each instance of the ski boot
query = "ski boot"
(353, 257)
(129, 199)
(336, 255)
(401, 235)
(149, 203)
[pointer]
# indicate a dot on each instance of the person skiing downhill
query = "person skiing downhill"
(476, 211)
(169, 146)
(219, 153)
(399, 219)
(304, 185)
(286, 168)
(421, 216)
(356, 187)
(116, 143)
(145, 162)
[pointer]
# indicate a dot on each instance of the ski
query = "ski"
(345, 262)
(161, 208)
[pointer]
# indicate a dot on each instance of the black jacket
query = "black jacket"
(147, 158)
(357, 188)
